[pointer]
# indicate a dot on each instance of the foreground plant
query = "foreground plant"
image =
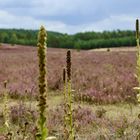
(43, 131)
(138, 67)
(65, 106)
(138, 60)
(6, 113)
(69, 100)
(6, 108)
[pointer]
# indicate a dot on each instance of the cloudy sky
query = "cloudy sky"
(69, 16)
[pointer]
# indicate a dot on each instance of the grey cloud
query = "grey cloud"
(73, 14)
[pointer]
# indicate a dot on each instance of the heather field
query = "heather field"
(104, 101)
(101, 77)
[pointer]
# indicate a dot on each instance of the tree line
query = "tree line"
(84, 40)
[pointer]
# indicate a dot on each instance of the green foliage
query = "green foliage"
(43, 132)
(86, 40)
(100, 112)
(104, 43)
(13, 39)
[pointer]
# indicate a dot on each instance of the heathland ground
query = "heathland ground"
(102, 82)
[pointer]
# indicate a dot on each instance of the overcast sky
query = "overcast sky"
(69, 16)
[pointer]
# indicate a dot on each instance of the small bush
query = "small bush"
(100, 112)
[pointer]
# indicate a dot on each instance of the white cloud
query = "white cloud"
(123, 22)
(113, 22)
(10, 21)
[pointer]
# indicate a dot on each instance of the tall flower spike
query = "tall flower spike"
(69, 65)
(137, 28)
(138, 52)
(70, 110)
(64, 75)
(42, 36)
(138, 67)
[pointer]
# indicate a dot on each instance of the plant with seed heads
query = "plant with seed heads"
(69, 98)
(138, 60)
(43, 132)
(138, 66)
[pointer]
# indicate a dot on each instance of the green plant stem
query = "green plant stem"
(65, 102)
(70, 111)
(138, 61)
(65, 111)
(6, 109)
(138, 54)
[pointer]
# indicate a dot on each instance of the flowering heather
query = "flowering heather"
(21, 113)
(23, 117)
(109, 73)
(122, 126)
(89, 125)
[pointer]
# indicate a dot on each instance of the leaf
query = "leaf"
(135, 76)
(7, 124)
(138, 97)
(44, 134)
(136, 88)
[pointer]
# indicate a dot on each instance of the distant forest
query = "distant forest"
(85, 40)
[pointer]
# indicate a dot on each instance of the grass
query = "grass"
(114, 112)
(118, 49)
